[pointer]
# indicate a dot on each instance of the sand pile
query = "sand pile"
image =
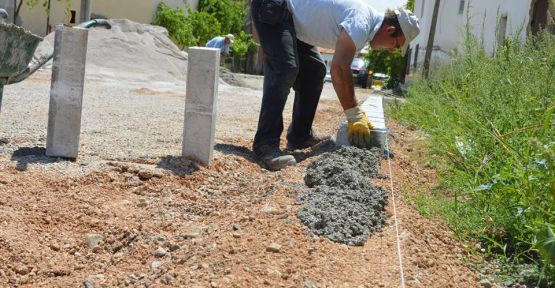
(344, 206)
(133, 52)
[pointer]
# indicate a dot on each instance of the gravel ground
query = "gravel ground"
(130, 212)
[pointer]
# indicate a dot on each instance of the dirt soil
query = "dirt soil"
(130, 212)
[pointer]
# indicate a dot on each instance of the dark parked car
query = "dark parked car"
(359, 67)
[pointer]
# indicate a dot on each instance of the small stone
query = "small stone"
(236, 235)
(485, 283)
(236, 227)
(95, 277)
(174, 247)
(190, 235)
(88, 284)
(93, 240)
(273, 272)
(145, 175)
(142, 203)
(213, 284)
(205, 266)
(21, 270)
(60, 272)
(274, 248)
(309, 284)
(55, 247)
(168, 280)
(270, 210)
(155, 265)
(160, 252)
(24, 280)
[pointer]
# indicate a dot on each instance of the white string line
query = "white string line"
(395, 213)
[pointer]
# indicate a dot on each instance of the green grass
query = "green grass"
(491, 122)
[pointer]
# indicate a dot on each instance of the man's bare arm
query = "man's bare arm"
(341, 74)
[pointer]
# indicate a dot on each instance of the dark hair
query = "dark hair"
(390, 19)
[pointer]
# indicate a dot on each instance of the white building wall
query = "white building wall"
(136, 10)
(484, 18)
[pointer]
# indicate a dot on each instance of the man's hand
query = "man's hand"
(359, 128)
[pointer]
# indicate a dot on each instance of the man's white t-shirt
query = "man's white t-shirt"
(319, 22)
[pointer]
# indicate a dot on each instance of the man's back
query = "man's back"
(218, 42)
(322, 29)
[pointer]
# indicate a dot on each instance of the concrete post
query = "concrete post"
(203, 71)
(66, 92)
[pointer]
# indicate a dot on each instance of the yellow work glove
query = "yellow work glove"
(359, 127)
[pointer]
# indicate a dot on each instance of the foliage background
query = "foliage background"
(213, 18)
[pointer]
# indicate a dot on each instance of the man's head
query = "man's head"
(399, 27)
(229, 39)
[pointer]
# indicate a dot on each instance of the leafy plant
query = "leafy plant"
(390, 63)
(491, 122)
(242, 44)
(176, 22)
(44, 3)
(231, 14)
(546, 244)
(205, 26)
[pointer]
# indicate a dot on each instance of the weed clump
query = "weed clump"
(491, 126)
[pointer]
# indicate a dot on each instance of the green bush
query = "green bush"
(205, 26)
(491, 124)
(231, 14)
(390, 63)
(243, 43)
(214, 17)
(176, 22)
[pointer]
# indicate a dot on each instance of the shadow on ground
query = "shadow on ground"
(29, 155)
(178, 165)
(240, 151)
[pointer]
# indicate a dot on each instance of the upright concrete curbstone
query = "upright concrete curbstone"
(201, 101)
(66, 92)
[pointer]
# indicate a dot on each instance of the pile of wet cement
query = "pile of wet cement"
(344, 206)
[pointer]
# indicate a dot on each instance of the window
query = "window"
(461, 7)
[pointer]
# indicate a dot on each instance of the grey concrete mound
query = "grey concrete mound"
(345, 206)
(347, 167)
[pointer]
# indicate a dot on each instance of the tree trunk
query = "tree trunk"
(430, 46)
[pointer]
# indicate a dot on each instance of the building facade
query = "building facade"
(490, 21)
(37, 21)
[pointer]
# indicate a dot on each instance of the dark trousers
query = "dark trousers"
(289, 63)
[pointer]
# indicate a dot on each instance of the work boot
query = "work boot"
(310, 142)
(273, 158)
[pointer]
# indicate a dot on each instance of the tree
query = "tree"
(410, 5)
(230, 13)
(242, 44)
(32, 3)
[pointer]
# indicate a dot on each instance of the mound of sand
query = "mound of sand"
(133, 52)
